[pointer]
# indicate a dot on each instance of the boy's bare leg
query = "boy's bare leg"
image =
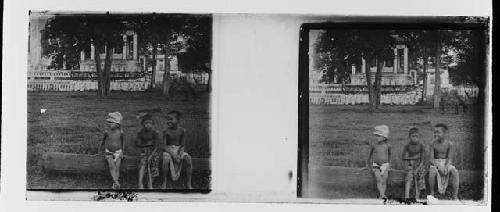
(408, 180)
(112, 167)
(432, 179)
(376, 172)
(189, 170)
(142, 167)
(117, 170)
(385, 176)
(455, 181)
(165, 164)
(150, 179)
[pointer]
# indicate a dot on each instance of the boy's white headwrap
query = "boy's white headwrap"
(382, 130)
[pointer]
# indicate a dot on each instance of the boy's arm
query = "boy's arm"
(122, 143)
(182, 142)
(101, 147)
(368, 162)
(389, 153)
(405, 153)
(138, 140)
(450, 153)
(422, 155)
(156, 142)
(431, 154)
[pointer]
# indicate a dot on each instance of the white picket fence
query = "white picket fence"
(84, 85)
(410, 98)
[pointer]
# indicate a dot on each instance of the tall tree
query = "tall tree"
(437, 72)
(470, 48)
(170, 34)
(75, 33)
(339, 49)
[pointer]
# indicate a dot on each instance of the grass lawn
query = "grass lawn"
(74, 122)
(339, 135)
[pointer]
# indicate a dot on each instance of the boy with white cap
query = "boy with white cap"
(380, 157)
(112, 143)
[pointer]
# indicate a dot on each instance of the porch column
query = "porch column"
(405, 60)
(353, 69)
(82, 55)
(92, 51)
(395, 65)
(124, 51)
(135, 46)
(363, 65)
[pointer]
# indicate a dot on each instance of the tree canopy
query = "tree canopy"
(65, 36)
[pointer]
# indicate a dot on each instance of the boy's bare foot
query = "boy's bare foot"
(189, 186)
(116, 185)
(164, 186)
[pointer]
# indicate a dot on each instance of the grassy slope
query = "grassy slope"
(74, 122)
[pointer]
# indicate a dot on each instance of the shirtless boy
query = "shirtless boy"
(148, 142)
(112, 146)
(441, 152)
(413, 155)
(175, 158)
(380, 157)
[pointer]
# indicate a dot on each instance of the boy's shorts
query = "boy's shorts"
(382, 168)
(114, 155)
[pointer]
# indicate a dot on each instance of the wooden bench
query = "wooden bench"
(81, 163)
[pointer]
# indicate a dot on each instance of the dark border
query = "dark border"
(369, 23)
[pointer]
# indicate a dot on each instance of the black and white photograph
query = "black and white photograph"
(396, 110)
(119, 101)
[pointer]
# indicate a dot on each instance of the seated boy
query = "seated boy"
(441, 151)
(148, 142)
(174, 157)
(380, 152)
(413, 155)
(112, 144)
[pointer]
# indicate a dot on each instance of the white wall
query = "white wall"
(255, 78)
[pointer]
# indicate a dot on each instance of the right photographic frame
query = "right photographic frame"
(394, 110)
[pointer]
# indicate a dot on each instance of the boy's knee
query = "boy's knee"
(454, 172)
(409, 176)
(187, 160)
(142, 163)
(166, 156)
(433, 171)
(187, 157)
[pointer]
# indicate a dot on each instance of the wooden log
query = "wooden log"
(353, 177)
(82, 163)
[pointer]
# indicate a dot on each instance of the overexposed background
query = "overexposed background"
(255, 63)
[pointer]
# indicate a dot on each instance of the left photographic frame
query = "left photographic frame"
(119, 102)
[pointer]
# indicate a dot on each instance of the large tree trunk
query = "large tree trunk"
(424, 91)
(99, 70)
(378, 77)
(107, 69)
(166, 73)
(153, 69)
(437, 74)
(371, 96)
